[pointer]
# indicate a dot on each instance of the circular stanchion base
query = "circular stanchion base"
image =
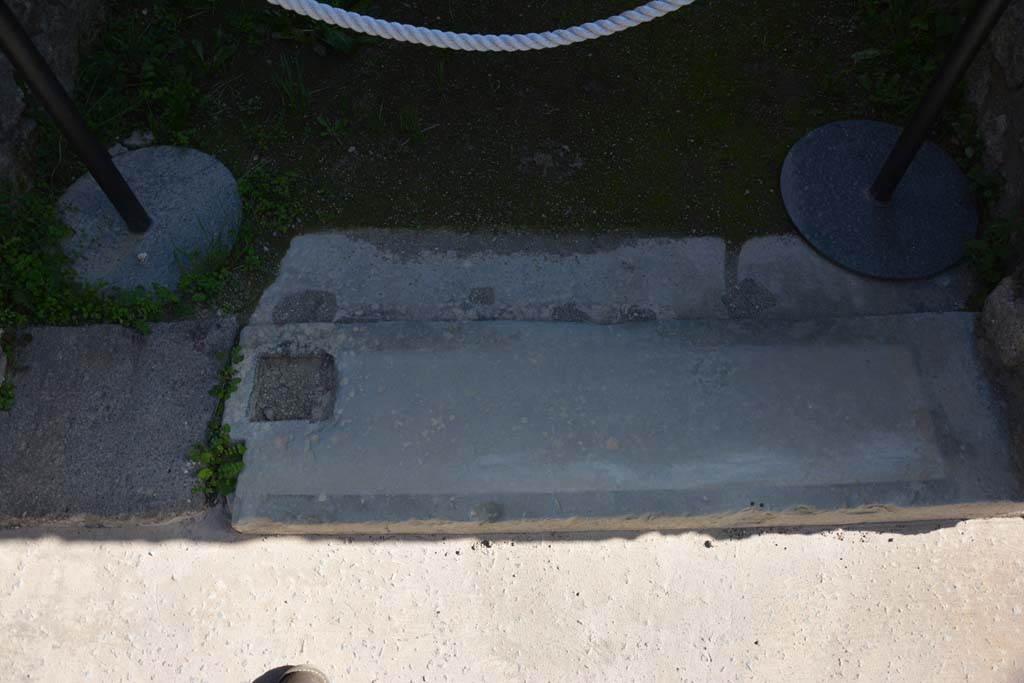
(192, 198)
(924, 229)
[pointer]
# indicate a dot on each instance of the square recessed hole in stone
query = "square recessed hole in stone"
(294, 388)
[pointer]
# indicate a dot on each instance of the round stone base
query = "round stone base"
(924, 229)
(193, 201)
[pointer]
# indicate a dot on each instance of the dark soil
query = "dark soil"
(678, 127)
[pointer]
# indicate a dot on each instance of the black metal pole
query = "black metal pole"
(18, 47)
(970, 39)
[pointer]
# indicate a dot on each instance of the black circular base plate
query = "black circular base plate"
(922, 231)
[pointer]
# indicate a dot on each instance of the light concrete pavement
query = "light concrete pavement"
(197, 603)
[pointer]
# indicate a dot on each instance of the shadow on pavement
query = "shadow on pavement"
(215, 527)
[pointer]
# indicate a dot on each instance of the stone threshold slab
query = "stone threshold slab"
(394, 275)
(516, 426)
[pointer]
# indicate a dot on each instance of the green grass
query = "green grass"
(37, 280)
(291, 85)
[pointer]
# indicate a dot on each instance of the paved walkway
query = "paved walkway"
(195, 602)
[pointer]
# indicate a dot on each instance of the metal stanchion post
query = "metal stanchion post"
(19, 49)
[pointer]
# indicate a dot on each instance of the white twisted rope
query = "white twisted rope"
(474, 41)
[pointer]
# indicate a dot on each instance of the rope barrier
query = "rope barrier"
(477, 42)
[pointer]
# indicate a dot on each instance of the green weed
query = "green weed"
(207, 273)
(38, 282)
(339, 40)
(411, 128)
(331, 128)
(322, 38)
(215, 57)
(141, 70)
(248, 29)
(6, 395)
(268, 196)
(291, 85)
(996, 251)
(219, 458)
(911, 37)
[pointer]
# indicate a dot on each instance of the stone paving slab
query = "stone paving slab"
(104, 421)
(517, 426)
(376, 275)
(403, 275)
(783, 277)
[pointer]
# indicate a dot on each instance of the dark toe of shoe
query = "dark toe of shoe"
(303, 674)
